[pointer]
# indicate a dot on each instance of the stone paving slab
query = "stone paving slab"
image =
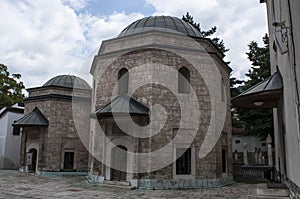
(14, 185)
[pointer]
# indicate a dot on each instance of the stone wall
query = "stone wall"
(294, 189)
(154, 61)
(62, 133)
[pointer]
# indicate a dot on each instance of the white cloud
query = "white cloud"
(75, 4)
(97, 29)
(179, 7)
(42, 39)
(38, 41)
(238, 23)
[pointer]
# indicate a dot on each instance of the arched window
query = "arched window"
(183, 80)
(123, 77)
(222, 90)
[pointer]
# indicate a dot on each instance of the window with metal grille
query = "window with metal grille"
(183, 161)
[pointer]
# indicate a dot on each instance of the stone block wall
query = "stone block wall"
(62, 133)
(154, 63)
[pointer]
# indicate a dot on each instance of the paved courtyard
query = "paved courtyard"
(14, 185)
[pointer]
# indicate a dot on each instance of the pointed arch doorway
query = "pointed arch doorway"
(119, 163)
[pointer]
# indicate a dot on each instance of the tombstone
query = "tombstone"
(259, 156)
(256, 156)
(245, 154)
(236, 156)
(269, 142)
(263, 160)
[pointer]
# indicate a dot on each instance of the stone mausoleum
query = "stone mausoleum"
(157, 69)
(49, 139)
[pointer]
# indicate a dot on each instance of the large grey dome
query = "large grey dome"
(67, 81)
(161, 23)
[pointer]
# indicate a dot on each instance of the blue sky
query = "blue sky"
(45, 38)
(103, 7)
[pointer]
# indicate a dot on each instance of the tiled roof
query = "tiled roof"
(162, 23)
(123, 105)
(34, 118)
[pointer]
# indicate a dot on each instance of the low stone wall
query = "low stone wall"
(49, 173)
(183, 184)
(95, 178)
(170, 183)
(257, 173)
(294, 189)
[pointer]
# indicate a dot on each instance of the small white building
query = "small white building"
(10, 139)
(254, 146)
(253, 142)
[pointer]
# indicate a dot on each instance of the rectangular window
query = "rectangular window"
(224, 157)
(237, 141)
(222, 90)
(69, 160)
(16, 129)
(183, 161)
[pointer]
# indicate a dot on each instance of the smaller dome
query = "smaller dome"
(67, 81)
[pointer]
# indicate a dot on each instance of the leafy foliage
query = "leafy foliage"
(206, 33)
(260, 61)
(10, 87)
(258, 122)
(234, 88)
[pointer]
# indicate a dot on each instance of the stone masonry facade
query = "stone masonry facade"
(60, 135)
(145, 62)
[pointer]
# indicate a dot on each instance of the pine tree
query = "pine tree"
(258, 122)
(260, 61)
(206, 33)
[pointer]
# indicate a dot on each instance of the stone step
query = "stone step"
(118, 183)
(27, 174)
(88, 179)
(117, 186)
(267, 197)
(271, 194)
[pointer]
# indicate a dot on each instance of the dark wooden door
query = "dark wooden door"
(32, 166)
(119, 163)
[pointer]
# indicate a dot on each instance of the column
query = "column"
(245, 154)
(270, 156)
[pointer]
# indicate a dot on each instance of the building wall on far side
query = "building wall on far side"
(286, 30)
(9, 143)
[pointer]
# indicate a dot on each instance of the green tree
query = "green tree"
(260, 61)
(206, 33)
(258, 122)
(10, 87)
(235, 86)
(234, 83)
